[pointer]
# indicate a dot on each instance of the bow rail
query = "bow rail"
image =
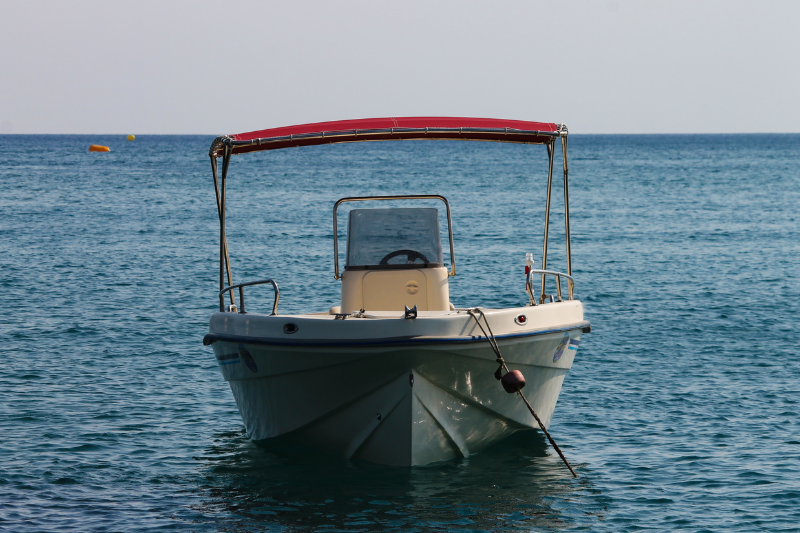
(241, 287)
(557, 276)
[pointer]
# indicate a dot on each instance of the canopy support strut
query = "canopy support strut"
(551, 146)
(570, 283)
(224, 258)
(550, 156)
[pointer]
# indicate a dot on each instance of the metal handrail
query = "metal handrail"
(558, 276)
(241, 287)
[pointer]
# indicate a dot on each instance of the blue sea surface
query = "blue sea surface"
(681, 411)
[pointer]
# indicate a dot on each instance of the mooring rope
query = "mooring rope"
(499, 375)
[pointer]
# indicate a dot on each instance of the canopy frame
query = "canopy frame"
(227, 145)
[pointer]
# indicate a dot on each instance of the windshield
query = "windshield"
(392, 237)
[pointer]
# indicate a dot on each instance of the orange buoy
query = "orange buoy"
(99, 148)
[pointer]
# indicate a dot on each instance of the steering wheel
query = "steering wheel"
(411, 256)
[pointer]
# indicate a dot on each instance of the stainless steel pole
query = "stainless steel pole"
(221, 250)
(550, 155)
(570, 285)
(226, 159)
(224, 251)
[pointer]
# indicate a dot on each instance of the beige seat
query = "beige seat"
(393, 290)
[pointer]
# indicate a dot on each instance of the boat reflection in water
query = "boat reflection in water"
(393, 373)
(515, 484)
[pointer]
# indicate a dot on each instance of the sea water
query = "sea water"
(680, 411)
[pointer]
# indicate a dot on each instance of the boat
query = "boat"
(394, 373)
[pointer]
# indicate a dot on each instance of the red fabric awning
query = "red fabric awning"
(391, 128)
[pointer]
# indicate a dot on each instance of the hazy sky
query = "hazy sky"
(609, 66)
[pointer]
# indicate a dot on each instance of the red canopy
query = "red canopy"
(391, 128)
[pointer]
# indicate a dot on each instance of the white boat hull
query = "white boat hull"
(392, 390)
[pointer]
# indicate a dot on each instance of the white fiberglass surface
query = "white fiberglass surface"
(393, 236)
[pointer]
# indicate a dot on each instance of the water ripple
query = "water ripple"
(680, 412)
